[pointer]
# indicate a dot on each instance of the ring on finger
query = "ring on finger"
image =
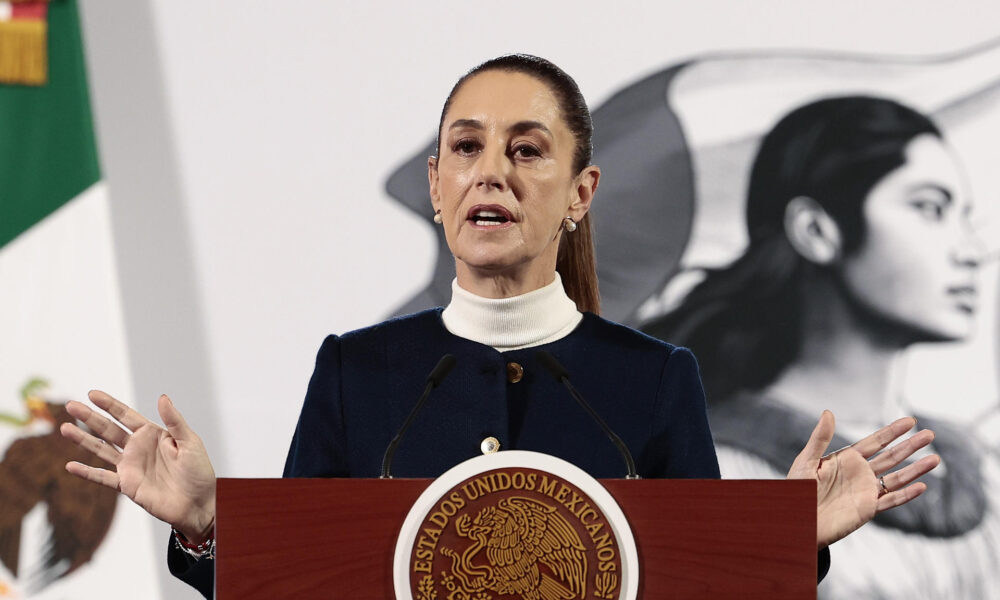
(884, 489)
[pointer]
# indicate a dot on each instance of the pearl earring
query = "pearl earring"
(437, 217)
(569, 224)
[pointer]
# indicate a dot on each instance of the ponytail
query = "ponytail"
(577, 266)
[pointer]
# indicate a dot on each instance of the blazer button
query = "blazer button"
(490, 445)
(514, 372)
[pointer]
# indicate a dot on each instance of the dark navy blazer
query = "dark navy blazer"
(366, 382)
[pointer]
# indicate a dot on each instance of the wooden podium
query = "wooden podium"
(334, 538)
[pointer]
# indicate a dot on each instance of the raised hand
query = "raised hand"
(165, 471)
(853, 483)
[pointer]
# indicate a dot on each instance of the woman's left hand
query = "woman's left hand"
(852, 484)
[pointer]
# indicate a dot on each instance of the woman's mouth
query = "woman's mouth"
(965, 297)
(489, 216)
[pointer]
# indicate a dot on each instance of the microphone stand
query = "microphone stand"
(434, 379)
(555, 368)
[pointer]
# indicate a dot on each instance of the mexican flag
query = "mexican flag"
(61, 327)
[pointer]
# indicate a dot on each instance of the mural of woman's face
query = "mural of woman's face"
(917, 263)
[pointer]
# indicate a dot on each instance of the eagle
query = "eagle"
(33, 471)
(519, 534)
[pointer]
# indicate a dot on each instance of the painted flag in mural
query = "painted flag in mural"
(61, 332)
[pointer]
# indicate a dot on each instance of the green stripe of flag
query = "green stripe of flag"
(47, 149)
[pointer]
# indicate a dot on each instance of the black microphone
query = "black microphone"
(554, 367)
(434, 379)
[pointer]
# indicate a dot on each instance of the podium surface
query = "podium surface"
(334, 538)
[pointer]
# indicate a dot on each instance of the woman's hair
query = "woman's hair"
(744, 321)
(576, 262)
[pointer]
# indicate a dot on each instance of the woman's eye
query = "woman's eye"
(929, 209)
(465, 147)
(526, 151)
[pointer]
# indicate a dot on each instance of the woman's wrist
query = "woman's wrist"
(200, 529)
(198, 536)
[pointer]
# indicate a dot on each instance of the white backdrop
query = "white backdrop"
(246, 145)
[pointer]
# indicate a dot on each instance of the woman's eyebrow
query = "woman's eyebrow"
(524, 126)
(516, 128)
(935, 187)
(466, 124)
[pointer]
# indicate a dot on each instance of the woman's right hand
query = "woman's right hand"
(165, 471)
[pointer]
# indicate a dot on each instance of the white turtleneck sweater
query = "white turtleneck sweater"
(538, 317)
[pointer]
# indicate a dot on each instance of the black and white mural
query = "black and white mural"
(801, 221)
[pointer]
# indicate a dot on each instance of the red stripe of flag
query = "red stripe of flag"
(29, 11)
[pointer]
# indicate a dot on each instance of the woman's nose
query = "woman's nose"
(493, 169)
(971, 249)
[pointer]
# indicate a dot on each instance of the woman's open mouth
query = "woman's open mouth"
(489, 216)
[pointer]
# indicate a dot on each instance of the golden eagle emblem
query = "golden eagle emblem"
(519, 535)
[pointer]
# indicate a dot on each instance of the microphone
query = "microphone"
(434, 379)
(555, 368)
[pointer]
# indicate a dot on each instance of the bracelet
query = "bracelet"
(205, 549)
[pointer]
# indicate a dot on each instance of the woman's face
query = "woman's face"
(504, 180)
(918, 261)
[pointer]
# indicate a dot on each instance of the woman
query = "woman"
(511, 185)
(859, 247)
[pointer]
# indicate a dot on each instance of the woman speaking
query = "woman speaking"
(511, 186)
